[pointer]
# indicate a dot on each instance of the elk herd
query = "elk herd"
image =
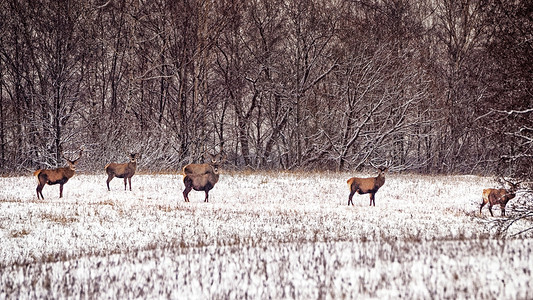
(203, 177)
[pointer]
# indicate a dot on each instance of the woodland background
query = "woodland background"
(432, 86)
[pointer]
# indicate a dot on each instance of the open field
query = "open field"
(278, 235)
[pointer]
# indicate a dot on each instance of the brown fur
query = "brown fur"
(366, 185)
(201, 177)
(125, 170)
(196, 169)
(498, 196)
(55, 176)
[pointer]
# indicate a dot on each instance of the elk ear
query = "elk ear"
(382, 169)
(72, 163)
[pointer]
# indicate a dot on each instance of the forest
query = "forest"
(430, 86)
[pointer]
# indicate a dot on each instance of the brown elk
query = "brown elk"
(499, 196)
(201, 177)
(56, 176)
(367, 185)
(125, 170)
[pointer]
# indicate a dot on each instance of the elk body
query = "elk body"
(498, 196)
(201, 177)
(125, 170)
(367, 185)
(56, 176)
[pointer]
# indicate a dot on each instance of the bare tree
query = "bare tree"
(433, 86)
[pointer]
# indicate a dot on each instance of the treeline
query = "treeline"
(429, 86)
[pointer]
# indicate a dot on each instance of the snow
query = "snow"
(262, 235)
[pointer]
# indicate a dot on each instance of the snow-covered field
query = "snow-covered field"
(262, 235)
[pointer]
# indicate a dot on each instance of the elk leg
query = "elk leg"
(490, 209)
(188, 187)
(350, 198)
(502, 206)
(125, 182)
(109, 177)
(186, 193)
(42, 182)
(206, 196)
(40, 191)
(481, 206)
(129, 180)
(61, 190)
(372, 199)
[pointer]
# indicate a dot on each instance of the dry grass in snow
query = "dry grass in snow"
(278, 235)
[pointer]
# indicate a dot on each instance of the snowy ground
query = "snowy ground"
(269, 235)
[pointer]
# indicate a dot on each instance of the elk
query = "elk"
(498, 196)
(201, 177)
(367, 185)
(56, 176)
(125, 170)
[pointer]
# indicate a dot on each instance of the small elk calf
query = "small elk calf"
(499, 196)
(56, 176)
(367, 185)
(125, 170)
(201, 177)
